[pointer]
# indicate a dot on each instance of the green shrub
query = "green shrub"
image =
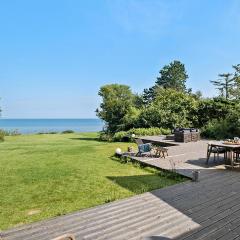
(149, 131)
(228, 127)
(9, 133)
(124, 136)
(103, 136)
(67, 131)
(121, 136)
(2, 134)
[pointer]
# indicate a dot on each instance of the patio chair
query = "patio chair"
(145, 150)
(216, 151)
(237, 155)
(65, 237)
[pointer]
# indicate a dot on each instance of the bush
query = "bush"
(51, 132)
(67, 131)
(2, 134)
(228, 127)
(149, 131)
(121, 136)
(9, 133)
(105, 136)
(126, 136)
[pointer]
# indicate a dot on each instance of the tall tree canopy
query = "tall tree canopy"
(169, 104)
(117, 103)
(171, 108)
(236, 77)
(224, 84)
(173, 76)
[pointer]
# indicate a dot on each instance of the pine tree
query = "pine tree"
(224, 85)
(173, 76)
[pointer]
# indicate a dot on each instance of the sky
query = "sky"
(55, 55)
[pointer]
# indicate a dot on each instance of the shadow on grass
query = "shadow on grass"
(151, 169)
(144, 183)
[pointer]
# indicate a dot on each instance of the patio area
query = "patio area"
(208, 209)
(183, 158)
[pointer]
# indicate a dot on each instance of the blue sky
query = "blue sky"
(55, 55)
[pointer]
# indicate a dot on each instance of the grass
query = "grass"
(47, 175)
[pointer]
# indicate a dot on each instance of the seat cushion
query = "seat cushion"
(144, 147)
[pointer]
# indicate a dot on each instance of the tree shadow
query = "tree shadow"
(201, 162)
(144, 183)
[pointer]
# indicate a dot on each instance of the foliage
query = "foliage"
(67, 131)
(236, 90)
(167, 104)
(173, 76)
(170, 109)
(10, 133)
(105, 136)
(223, 128)
(224, 85)
(149, 131)
(124, 136)
(48, 132)
(58, 174)
(2, 135)
(213, 109)
(117, 105)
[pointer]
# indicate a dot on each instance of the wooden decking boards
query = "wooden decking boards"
(208, 209)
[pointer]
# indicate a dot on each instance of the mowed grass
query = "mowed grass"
(43, 176)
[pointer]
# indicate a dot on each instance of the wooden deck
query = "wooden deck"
(208, 209)
(183, 158)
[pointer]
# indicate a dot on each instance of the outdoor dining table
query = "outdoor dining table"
(228, 146)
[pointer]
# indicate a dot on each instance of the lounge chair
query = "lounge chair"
(146, 150)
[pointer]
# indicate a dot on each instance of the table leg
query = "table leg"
(208, 153)
(231, 158)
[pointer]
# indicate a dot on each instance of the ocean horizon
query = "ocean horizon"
(45, 125)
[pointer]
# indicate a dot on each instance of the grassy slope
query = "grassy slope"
(57, 174)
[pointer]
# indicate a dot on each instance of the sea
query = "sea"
(31, 126)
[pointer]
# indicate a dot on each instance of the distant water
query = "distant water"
(27, 126)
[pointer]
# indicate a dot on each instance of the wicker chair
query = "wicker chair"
(216, 151)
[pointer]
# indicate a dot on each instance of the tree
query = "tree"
(236, 77)
(210, 109)
(225, 84)
(170, 108)
(117, 103)
(173, 76)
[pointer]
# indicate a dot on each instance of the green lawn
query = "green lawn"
(42, 176)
